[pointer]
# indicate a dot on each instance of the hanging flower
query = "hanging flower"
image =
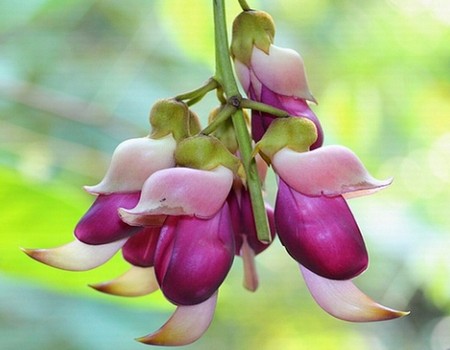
(270, 74)
(101, 233)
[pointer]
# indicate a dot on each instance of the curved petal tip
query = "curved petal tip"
(137, 281)
(76, 255)
(343, 300)
(185, 326)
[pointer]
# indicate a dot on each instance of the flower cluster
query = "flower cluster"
(177, 205)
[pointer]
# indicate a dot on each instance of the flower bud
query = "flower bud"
(193, 257)
(320, 233)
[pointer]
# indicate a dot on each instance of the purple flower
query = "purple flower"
(277, 78)
(193, 256)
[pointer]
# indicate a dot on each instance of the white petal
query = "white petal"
(282, 71)
(76, 255)
(185, 326)
(133, 161)
(137, 281)
(343, 300)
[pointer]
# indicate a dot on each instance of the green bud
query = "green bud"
(294, 133)
(225, 131)
(251, 28)
(173, 117)
(206, 153)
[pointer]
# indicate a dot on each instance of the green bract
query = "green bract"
(294, 133)
(205, 153)
(251, 28)
(173, 117)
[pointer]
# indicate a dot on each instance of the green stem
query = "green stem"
(262, 107)
(224, 76)
(244, 5)
(198, 93)
(223, 115)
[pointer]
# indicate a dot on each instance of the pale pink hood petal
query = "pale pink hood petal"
(137, 281)
(76, 255)
(343, 300)
(282, 71)
(182, 191)
(133, 161)
(329, 171)
(243, 74)
(185, 326)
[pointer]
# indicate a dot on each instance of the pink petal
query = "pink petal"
(251, 280)
(76, 255)
(133, 162)
(243, 74)
(282, 71)
(343, 300)
(182, 191)
(329, 171)
(137, 281)
(185, 326)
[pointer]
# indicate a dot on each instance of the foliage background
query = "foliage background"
(78, 77)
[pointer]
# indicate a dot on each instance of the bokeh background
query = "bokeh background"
(79, 76)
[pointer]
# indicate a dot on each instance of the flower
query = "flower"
(313, 220)
(270, 74)
(100, 233)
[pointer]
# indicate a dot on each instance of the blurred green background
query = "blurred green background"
(79, 76)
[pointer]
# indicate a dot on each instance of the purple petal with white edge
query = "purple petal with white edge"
(282, 71)
(185, 326)
(320, 233)
(182, 191)
(101, 224)
(329, 171)
(133, 161)
(135, 282)
(343, 300)
(76, 255)
(193, 256)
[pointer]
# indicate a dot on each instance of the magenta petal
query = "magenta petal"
(139, 250)
(320, 233)
(102, 224)
(193, 257)
(248, 224)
